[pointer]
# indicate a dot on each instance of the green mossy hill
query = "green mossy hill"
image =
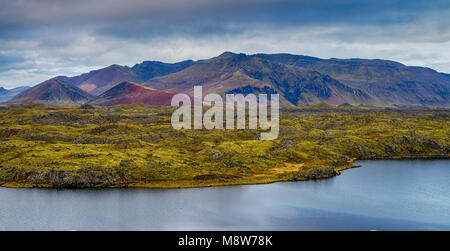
(135, 145)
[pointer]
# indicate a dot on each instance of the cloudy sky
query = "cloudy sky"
(41, 39)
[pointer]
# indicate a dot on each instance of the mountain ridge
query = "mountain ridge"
(129, 93)
(98, 81)
(229, 72)
(389, 81)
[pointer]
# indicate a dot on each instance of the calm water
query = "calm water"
(383, 195)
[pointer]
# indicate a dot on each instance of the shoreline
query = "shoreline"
(253, 180)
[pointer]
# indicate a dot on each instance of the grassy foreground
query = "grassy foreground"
(135, 145)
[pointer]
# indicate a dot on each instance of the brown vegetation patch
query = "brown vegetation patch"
(6, 133)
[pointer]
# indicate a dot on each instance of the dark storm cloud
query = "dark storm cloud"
(141, 18)
(66, 37)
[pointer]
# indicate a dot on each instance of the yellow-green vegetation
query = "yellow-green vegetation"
(136, 146)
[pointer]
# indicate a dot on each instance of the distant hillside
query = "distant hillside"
(150, 69)
(53, 92)
(129, 93)
(390, 82)
(6, 95)
(446, 75)
(98, 81)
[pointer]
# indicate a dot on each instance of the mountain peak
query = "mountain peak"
(54, 92)
(229, 54)
(117, 66)
(129, 92)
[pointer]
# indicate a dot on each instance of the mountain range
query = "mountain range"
(300, 80)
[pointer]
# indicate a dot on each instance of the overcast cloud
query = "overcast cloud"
(45, 38)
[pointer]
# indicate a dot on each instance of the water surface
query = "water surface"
(381, 195)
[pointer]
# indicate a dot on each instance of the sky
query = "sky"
(40, 39)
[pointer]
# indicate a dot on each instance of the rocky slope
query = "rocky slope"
(130, 93)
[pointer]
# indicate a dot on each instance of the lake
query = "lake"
(380, 195)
